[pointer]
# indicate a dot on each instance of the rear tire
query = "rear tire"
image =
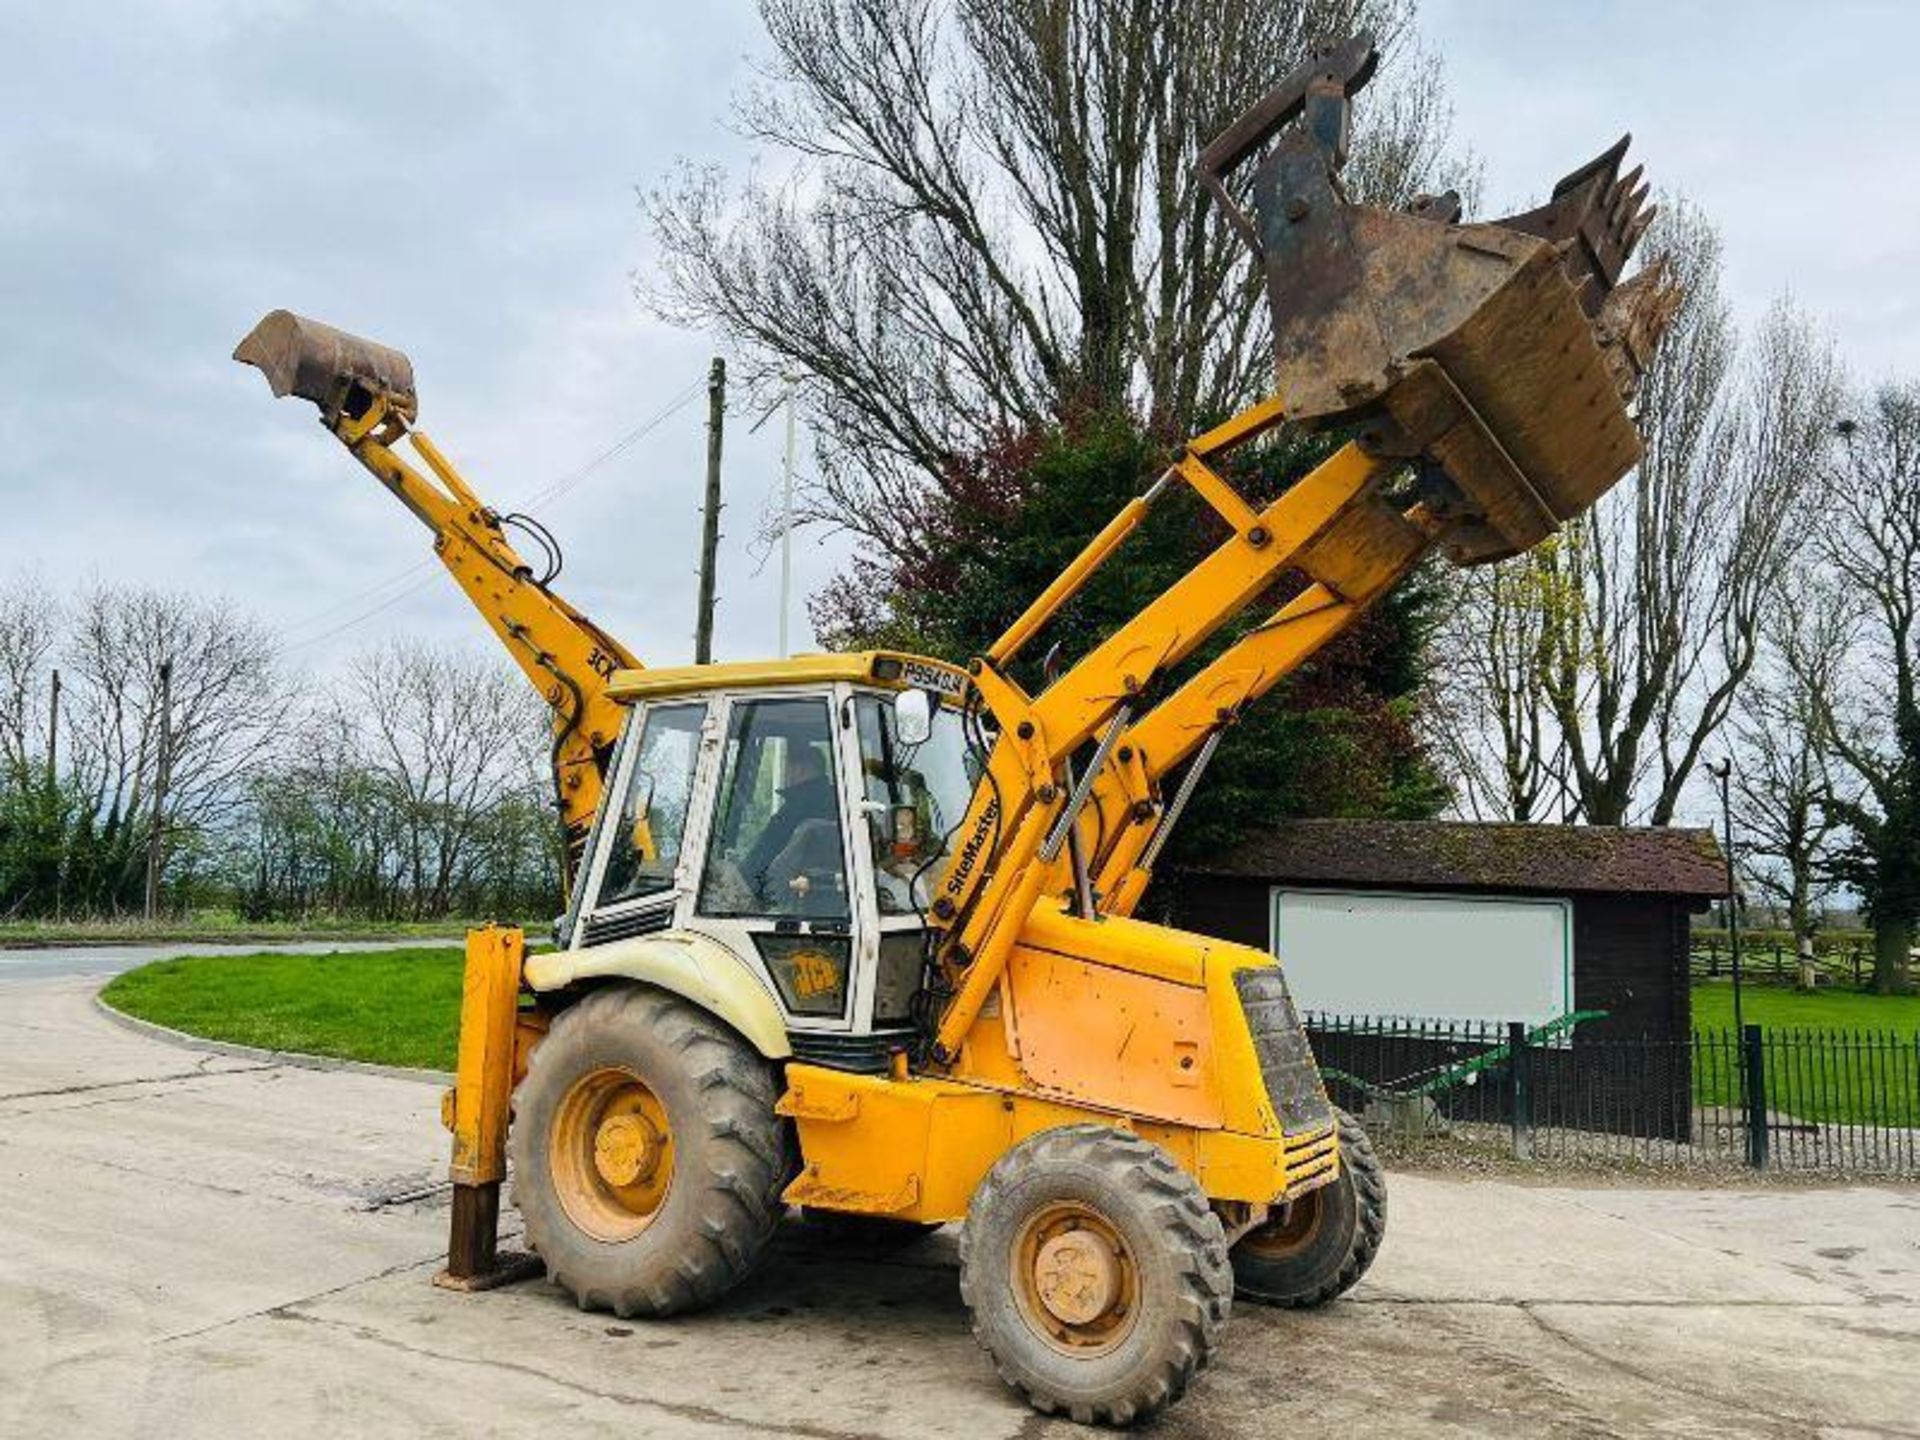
(1325, 1241)
(1096, 1276)
(648, 1161)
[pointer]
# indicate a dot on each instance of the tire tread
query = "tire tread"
(738, 1206)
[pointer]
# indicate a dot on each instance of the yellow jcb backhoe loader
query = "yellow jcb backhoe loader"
(852, 931)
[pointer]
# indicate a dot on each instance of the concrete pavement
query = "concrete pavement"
(197, 1245)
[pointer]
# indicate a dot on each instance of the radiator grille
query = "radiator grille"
(1286, 1059)
(862, 1054)
(627, 924)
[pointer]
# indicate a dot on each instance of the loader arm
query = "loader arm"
(365, 396)
(1483, 373)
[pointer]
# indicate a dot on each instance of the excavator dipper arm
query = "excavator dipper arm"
(366, 397)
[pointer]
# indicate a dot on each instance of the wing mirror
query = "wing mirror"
(912, 717)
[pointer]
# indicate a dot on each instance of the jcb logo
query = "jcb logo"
(814, 974)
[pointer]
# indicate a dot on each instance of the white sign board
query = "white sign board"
(1435, 957)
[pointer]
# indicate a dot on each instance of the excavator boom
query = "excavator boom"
(365, 394)
(1484, 373)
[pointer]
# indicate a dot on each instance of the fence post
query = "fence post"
(1521, 1106)
(1756, 1093)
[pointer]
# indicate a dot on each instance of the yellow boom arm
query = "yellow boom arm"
(1334, 524)
(1490, 364)
(366, 398)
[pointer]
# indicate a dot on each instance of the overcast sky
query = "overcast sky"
(458, 180)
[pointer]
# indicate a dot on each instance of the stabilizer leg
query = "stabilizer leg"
(478, 1110)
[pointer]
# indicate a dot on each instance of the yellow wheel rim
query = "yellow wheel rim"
(611, 1154)
(1293, 1230)
(1075, 1280)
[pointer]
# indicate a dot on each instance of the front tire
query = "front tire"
(648, 1161)
(1321, 1245)
(1096, 1276)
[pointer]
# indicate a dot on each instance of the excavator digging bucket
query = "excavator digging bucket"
(340, 373)
(1502, 356)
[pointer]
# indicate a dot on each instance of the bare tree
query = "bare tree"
(29, 634)
(228, 704)
(990, 220)
(1669, 576)
(448, 734)
(1782, 784)
(1489, 716)
(1868, 544)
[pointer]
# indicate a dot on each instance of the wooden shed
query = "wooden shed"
(1439, 930)
(1471, 912)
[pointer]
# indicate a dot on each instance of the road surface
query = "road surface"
(202, 1245)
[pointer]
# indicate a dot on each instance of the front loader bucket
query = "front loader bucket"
(340, 373)
(1500, 355)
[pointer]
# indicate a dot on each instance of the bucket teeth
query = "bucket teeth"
(1602, 213)
(1501, 355)
(1636, 314)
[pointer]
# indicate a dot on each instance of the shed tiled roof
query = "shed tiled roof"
(1461, 855)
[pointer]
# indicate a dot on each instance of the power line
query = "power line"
(552, 491)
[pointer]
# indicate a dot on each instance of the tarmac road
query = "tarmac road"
(201, 1245)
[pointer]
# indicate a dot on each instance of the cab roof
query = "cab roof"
(889, 669)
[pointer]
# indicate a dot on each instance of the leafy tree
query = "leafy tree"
(1338, 738)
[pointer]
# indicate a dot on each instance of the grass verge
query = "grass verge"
(390, 1007)
(1818, 1009)
(221, 925)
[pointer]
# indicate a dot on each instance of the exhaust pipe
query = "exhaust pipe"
(340, 373)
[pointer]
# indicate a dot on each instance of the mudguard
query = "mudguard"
(696, 967)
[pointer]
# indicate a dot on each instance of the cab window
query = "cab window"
(916, 797)
(653, 812)
(776, 847)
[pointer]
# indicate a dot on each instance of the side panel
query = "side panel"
(916, 1149)
(1093, 1033)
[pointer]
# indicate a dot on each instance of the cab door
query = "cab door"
(775, 879)
(634, 878)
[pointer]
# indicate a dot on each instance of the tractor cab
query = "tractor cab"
(795, 812)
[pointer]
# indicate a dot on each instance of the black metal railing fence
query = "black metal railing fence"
(1771, 1098)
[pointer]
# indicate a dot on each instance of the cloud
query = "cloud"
(1790, 124)
(458, 180)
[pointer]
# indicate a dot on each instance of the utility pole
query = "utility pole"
(53, 734)
(162, 774)
(710, 519)
(786, 528)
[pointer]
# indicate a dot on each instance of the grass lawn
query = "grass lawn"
(402, 1007)
(1820, 1009)
(1833, 1056)
(217, 925)
(394, 1007)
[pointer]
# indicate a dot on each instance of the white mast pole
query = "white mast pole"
(786, 528)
